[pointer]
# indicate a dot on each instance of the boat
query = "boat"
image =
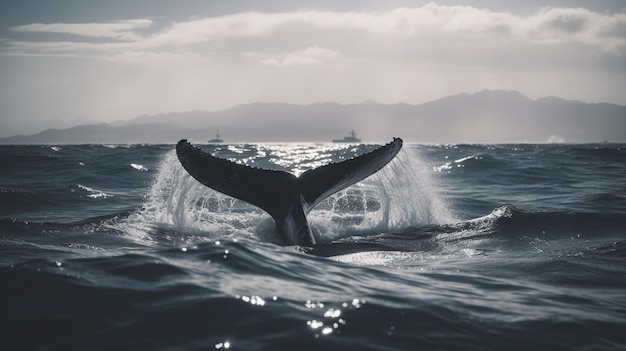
(351, 138)
(217, 139)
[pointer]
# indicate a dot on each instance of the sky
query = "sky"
(112, 60)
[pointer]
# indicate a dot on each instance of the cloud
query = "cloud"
(569, 21)
(314, 55)
(122, 30)
(577, 25)
(430, 25)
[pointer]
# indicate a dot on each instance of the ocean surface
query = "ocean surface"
(449, 247)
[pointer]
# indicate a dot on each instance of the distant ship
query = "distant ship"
(217, 139)
(351, 138)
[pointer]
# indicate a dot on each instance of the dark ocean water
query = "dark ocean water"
(457, 247)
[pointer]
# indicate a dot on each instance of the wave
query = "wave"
(90, 192)
(204, 295)
(511, 223)
(506, 231)
(609, 153)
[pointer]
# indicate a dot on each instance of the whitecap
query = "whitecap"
(139, 167)
(94, 193)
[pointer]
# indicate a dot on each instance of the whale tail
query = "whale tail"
(287, 198)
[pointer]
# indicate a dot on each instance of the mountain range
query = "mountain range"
(483, 117)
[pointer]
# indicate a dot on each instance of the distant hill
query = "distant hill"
(31, 127)
(101, 133)
(483, 117)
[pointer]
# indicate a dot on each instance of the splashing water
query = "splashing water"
(177, 201)
(399, 196)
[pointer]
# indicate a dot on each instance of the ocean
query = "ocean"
(449, 247)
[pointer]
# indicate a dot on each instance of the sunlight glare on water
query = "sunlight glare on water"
(298, 158)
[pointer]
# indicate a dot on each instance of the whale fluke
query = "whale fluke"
(287, 198)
